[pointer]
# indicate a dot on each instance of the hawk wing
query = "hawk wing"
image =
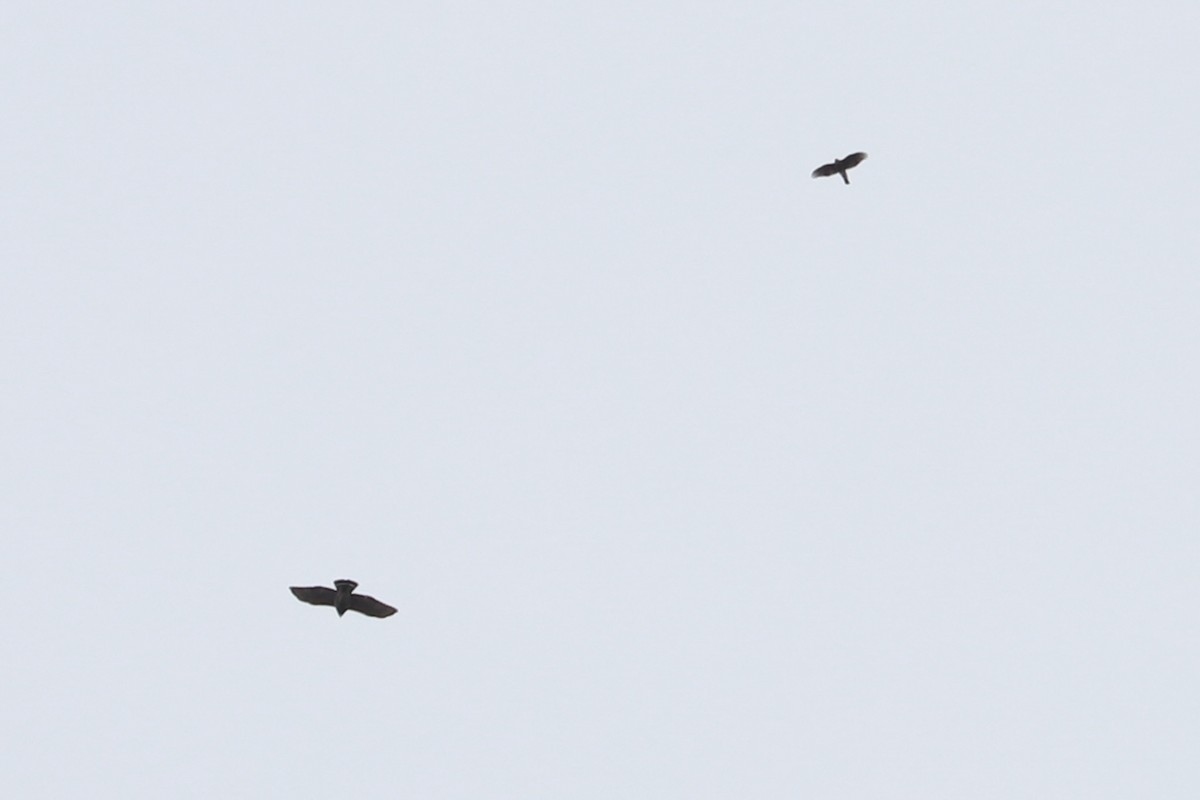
(825, 170)
(370, 606)
(852, 160)
(317, 595)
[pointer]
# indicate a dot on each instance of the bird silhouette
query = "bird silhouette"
(839, 166)
(343, 599)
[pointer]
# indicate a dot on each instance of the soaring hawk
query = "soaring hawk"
(343, 599)
(840, 166)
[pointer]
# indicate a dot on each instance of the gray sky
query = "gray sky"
(691, 477)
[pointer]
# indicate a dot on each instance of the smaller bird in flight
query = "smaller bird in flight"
(840, 166)
(343, 599)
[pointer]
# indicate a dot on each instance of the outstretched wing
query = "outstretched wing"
(825, 170)
(370, 606)
(317, 595)
(852, 160)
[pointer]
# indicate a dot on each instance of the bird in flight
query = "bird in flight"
(343, 599)
(840, 166)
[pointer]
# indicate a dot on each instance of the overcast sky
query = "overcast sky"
(692, 477)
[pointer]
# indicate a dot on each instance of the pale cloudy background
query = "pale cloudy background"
(691, 476)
